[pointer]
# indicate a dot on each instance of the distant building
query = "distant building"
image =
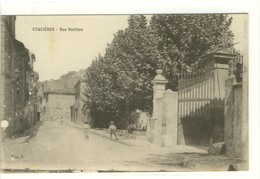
(79, 113)
(57, 104)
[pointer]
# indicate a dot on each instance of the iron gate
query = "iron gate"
(195, 107)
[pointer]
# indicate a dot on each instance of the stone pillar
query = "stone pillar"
(154, 125)
(217, 63)
(158, 123)
(159, 83)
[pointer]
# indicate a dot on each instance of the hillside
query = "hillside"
(65, 81)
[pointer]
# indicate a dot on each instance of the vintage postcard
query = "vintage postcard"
(123, 93)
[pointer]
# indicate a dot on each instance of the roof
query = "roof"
(220, 53)
(78, 82)
(69, 91)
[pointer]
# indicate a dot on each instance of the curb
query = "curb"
(31, 136)
(27, 138)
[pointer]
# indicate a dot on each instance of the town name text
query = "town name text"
(61, 29)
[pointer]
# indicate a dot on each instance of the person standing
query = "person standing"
(86, 128)
(112, 130)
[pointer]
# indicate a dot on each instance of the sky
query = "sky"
(58, 52)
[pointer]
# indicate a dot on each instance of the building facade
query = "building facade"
(41, 101)
(15, 83)
(79, 113)
(56, 104)
(8, 75)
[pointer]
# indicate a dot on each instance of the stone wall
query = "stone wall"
(169, 124)
(234, 122)
(162, 127)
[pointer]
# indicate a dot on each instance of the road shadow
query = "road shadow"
(186, 162)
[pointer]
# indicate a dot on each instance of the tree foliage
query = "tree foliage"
(181, 40)
(120, 81)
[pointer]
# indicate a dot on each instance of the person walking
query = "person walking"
(86, 128)
(112, 130)
(61, 120)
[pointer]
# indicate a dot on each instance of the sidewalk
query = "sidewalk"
(25, 136)
(142, 142)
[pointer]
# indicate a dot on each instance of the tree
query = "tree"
(119, 82)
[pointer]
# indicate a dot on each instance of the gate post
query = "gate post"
(159, 83)
(217, 63)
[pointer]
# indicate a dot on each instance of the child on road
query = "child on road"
(61, 120)
(86, 128)
(112, 130)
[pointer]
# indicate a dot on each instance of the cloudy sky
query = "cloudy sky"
(58, 52)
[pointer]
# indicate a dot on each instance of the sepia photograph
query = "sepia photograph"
(124, 93)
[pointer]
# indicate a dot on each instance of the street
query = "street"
(176, 98)
(63, 147)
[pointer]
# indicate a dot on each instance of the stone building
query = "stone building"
(32, 78)
(79, 113)
(57, 104)
(16, 64)
(32, 106)
(9, 75)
